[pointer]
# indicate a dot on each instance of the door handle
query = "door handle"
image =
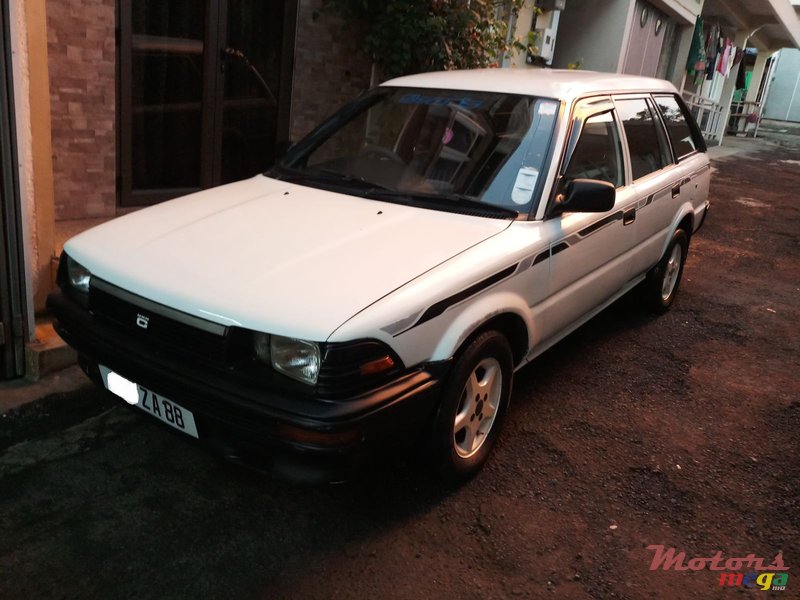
(223, 59)
(676, 189)
(629, 216)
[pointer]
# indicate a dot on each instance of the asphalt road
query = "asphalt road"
(680, 431)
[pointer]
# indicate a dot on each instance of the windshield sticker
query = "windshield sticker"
(547, 109)
(464, 102)
(524, 185)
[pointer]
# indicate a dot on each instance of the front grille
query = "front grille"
(163, 335)
(176, 335)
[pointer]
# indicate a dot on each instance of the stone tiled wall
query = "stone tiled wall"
(330, 69)
(81, 48)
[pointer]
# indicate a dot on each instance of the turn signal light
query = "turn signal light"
(377, 366)
(320, 438)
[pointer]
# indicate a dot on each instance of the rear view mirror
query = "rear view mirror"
(585, 195)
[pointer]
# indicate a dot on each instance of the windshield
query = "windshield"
(438, 147)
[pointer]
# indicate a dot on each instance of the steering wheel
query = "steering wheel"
(381, 152)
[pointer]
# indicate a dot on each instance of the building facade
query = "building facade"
(783, 101)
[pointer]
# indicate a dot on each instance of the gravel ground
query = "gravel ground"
(680, 431)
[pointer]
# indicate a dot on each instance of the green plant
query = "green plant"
(575, 65)
(407, 36)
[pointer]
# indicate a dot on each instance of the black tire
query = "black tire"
(448, 445)
(657, 293)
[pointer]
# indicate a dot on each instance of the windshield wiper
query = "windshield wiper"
(327, 176)
(447, 200)
(337, 177)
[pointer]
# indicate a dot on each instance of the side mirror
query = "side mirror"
(585, 195)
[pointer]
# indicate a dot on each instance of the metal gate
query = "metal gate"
(12, 334)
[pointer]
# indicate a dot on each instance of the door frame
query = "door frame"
(213, 89)
(13, 305)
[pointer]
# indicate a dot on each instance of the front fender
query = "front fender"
(475, 314)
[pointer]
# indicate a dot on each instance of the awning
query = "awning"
(773, 24)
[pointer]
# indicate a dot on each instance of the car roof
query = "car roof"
(550, 83)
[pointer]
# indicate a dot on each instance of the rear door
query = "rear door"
(655, 179)
(688, 148)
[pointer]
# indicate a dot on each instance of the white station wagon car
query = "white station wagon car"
(376, 290)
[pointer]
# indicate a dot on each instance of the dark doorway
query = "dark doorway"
(203, 92)
(12, 331)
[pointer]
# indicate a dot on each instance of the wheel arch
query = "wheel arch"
(684, 219)
(687, 223)
(513, 327)
(506, 313)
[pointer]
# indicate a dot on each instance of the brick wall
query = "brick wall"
(330, 69)
(80, 39)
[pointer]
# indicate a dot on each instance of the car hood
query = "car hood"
(274, 256)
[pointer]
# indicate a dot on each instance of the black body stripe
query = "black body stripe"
(700, 171)
(598, 224)
(437, 309)
(559, 248)
(541, 257)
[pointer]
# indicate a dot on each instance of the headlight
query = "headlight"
(78, 275)
(294, 358)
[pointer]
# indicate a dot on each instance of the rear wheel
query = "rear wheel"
(472, 409)
(661, 286)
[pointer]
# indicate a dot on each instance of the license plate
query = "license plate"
(161, 408)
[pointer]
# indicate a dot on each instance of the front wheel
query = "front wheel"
(661, 286)
(473, 405)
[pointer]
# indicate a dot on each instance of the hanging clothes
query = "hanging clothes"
(713, 49)
(741, 75)
(732, 63)
(722, 66)
(697, 52)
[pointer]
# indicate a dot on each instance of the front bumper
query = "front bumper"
(302, 439)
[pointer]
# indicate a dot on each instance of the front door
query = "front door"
(590, 258)
(203, 93)
(12, 356)
(648, 30)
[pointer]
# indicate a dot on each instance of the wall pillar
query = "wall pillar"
(37, 157)
(758, 74)
(684, 44)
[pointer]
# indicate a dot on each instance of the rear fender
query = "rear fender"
(685, 210)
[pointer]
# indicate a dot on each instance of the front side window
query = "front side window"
(598, 153)
(647, 153)
(680, 134)
(438, 146)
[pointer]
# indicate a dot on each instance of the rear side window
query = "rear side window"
(598, 153)
(683, 138)
(641, 129)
